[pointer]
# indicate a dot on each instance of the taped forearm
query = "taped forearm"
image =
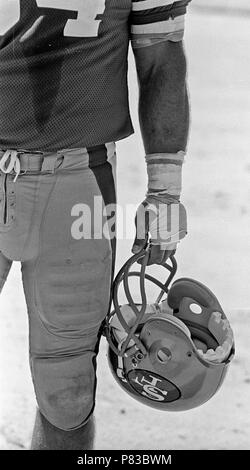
(168, 220)
(165, 174)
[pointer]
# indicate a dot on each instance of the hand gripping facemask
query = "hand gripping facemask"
(171, 354)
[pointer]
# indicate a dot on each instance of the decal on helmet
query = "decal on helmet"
(153, 386)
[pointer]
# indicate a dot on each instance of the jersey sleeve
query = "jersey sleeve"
(154, 21)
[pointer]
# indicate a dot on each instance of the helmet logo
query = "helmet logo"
(152, 386)
(150, 389)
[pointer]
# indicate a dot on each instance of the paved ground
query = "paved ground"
(217, 195)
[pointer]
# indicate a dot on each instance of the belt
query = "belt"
(21, 162)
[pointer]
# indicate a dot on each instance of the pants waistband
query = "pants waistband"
(22, 161)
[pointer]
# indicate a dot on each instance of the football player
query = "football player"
(64, 104)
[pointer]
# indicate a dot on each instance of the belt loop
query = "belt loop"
(49, 163)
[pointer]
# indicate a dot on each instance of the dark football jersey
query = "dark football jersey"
(63, 68)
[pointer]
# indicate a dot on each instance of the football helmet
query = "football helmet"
(171, 354)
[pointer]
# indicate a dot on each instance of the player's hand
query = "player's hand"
(161, 224)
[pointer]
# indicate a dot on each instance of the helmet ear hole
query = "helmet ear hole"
(163, 355)
(195, 308)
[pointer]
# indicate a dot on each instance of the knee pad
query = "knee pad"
(65, 389)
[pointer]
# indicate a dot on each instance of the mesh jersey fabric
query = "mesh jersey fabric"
(63, 69)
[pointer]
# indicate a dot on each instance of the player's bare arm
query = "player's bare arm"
(163, 102)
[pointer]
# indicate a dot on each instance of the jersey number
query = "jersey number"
(85, 25)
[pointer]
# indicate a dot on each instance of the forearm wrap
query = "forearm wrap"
(165, 174)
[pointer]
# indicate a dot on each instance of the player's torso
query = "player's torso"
(63, 72)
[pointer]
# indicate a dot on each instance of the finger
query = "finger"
(138, 246)
(168, 250)
(167, 254)
(157, 255)
(142, 225)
